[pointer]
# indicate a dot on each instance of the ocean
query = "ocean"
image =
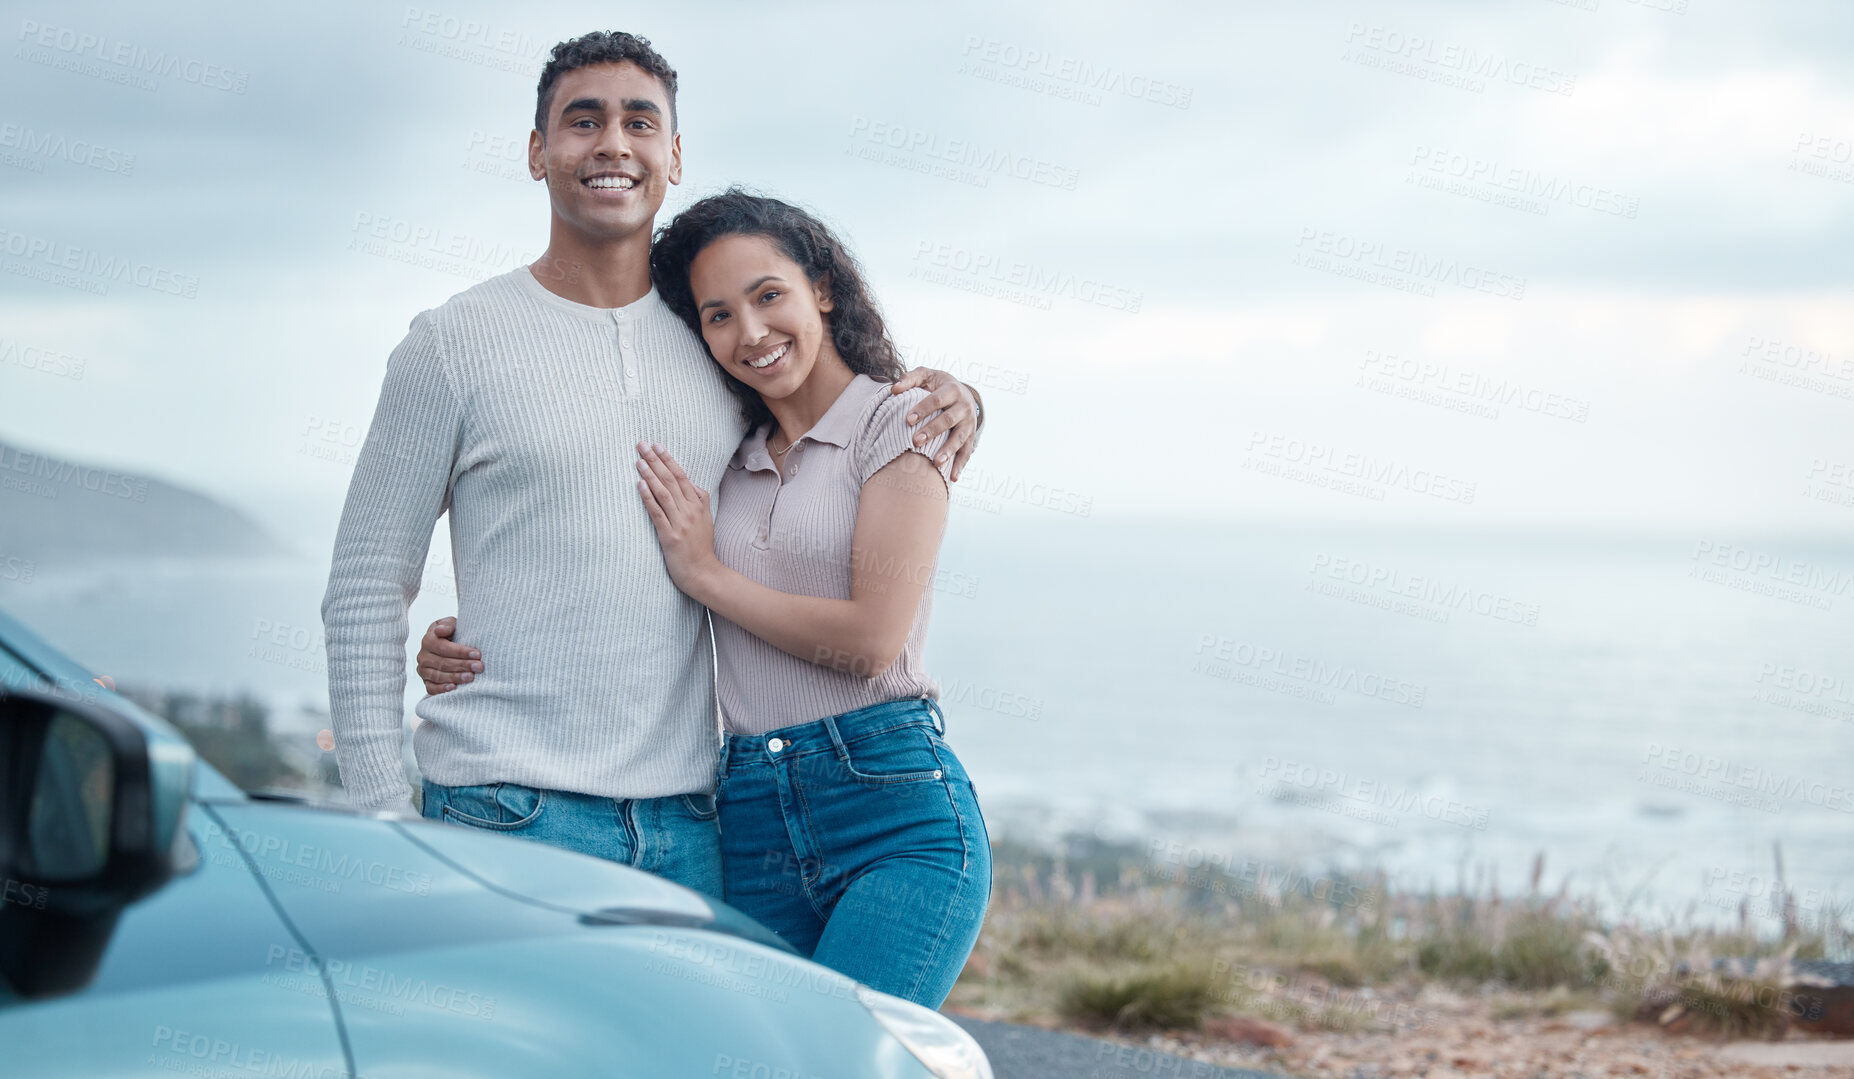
(1658, 715)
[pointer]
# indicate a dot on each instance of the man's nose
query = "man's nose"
(613, 143)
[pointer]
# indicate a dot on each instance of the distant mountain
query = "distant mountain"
(55, 512)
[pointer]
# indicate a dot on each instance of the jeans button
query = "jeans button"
(936, 773)
(775, 744)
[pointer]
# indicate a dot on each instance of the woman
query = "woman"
(848, 825)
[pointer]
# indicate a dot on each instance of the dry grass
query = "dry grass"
(1102, 942)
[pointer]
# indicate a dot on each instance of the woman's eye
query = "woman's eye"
(769, 295)
(717, 316)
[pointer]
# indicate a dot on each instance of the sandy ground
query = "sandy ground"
(1447, 1035)
(1440, 1034)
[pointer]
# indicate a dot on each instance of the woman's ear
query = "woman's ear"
(821, 289)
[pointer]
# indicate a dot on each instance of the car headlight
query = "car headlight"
(936, 1041)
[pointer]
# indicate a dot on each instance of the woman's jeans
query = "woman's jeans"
(858, 839)
(673, 837)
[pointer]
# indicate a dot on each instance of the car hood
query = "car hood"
(404, 882)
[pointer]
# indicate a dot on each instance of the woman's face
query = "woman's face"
(763, 321)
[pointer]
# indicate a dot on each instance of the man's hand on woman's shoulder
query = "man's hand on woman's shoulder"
(951, 406)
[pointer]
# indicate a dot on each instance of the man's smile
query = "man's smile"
(610, 181)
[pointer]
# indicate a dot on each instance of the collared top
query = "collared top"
(794, 533)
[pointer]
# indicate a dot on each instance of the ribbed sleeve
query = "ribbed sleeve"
(888, 436)
(401, 484)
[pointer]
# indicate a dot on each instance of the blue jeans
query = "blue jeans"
(674, 837)
(858, 839)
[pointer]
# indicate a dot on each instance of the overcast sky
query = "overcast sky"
(1342, 226)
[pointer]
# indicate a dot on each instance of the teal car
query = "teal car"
(154, 919)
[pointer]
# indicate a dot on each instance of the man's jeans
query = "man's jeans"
(675, 837)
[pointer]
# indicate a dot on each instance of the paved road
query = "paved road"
(1029, 1053)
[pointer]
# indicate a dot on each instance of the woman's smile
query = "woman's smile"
(768, 362)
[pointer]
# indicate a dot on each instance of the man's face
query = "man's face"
(609, 156)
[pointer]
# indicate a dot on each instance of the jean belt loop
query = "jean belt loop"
(836, 738)
(939, 717)
(721, 758)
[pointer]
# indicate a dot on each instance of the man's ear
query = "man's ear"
(675, 162)
(821, 289)
(537, 154)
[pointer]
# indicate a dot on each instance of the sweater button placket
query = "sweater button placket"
(627, 354)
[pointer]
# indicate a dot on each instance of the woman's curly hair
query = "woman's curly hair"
(855, 324)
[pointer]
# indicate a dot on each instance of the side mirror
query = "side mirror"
(90, 810)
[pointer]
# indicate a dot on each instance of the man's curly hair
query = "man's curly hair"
(855, 324)
(601, 47)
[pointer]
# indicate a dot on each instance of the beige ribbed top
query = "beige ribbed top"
(519, 411)
(795, 535)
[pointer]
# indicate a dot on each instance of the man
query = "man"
(516, 406)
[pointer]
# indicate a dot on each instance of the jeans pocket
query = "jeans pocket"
(701, 805)
(893, 757)
(498, 807)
